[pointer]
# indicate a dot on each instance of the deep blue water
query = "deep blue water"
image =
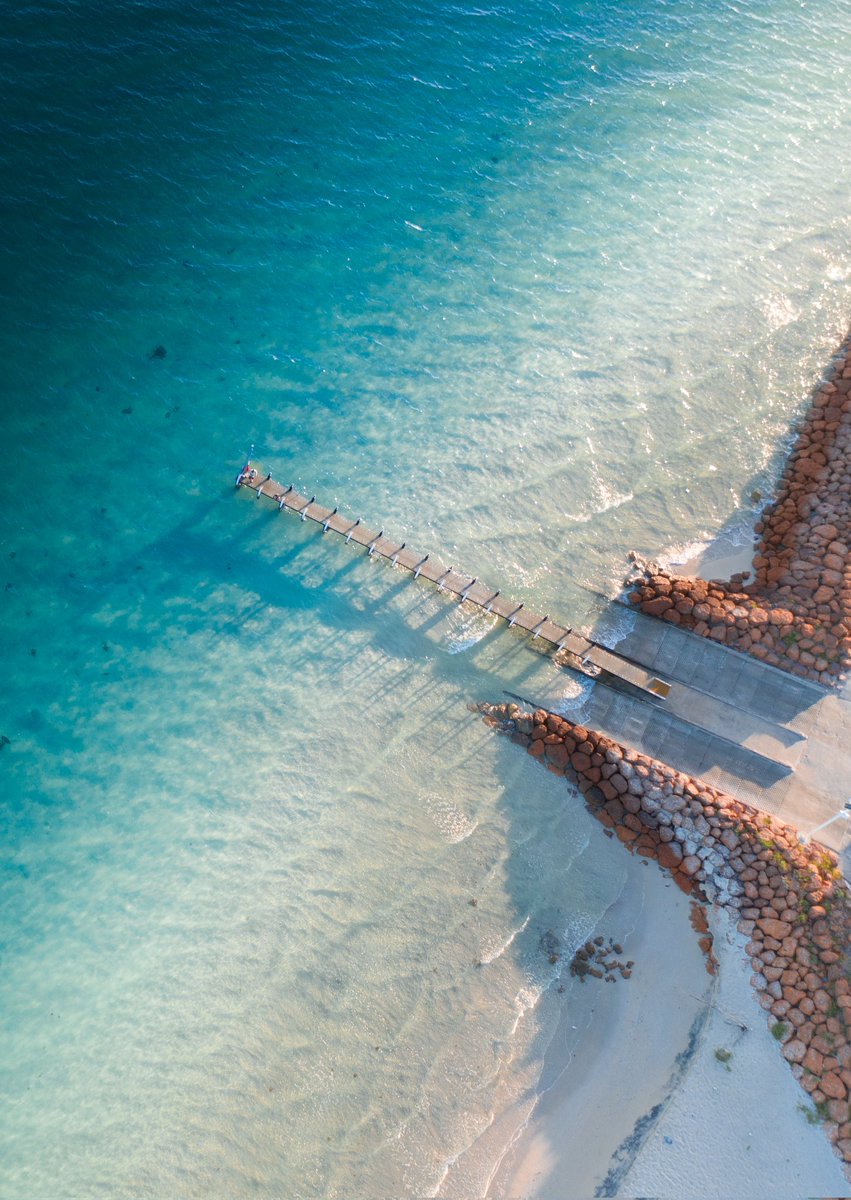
(528, 285)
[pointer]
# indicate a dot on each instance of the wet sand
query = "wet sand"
(615, 1055)
(635, 1098)
(720, 559)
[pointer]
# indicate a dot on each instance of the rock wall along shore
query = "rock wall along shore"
(796, 614)
(790, 900)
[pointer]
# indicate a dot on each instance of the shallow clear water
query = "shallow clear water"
(529, 287)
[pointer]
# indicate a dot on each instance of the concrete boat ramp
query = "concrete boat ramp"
(699, 706)
(728, 718)
(771, 739)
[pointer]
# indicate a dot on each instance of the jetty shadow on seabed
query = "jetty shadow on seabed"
(210, 548)
(214, 547)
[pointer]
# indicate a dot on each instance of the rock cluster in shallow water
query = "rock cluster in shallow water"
(796, 614)
(790, 900)
(598, 959)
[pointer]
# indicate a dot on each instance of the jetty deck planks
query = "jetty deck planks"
(559, 640)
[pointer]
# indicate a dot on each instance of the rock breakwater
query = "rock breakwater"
(796, 614)
(790, 900)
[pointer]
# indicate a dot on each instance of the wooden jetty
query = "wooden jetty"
(550, 637)
(651, 694)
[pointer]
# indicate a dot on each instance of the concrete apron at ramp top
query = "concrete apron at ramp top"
(802, 728)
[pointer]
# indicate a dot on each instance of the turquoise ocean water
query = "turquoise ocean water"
(528, 285)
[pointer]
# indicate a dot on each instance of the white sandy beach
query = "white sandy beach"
(613, 1057)
(641, 1105)
(738, 1129)
(719, 559)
